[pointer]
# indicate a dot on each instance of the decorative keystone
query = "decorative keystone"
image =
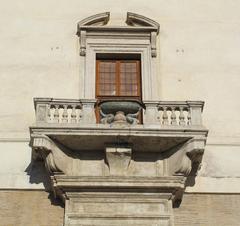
(118, 159)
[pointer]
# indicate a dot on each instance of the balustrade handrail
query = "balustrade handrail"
(40, 100)
(181, 103)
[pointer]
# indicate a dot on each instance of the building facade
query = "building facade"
(120, 114)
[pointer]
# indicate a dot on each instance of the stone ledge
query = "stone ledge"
(119, 182)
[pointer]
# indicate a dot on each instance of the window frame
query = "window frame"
(117, 80)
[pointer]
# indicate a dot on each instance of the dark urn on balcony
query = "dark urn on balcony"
(120, 111)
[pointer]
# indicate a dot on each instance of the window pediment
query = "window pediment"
(133, 19)
(135, 25)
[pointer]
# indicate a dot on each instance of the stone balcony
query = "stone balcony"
(118, 163)
(176, 121)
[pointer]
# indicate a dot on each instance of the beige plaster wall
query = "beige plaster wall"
(198, 59)
(18, 171)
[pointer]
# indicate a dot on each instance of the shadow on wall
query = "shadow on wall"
(39, 175)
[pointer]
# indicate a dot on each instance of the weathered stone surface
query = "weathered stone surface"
(118, 209)
(118, 201)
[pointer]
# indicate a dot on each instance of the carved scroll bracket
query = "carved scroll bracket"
(53, 155)
(191, 157)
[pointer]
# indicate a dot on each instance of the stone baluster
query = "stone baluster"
(65, 114)
(173, 117)
(181, 117)
(189, 117)
(165, 116)
(80, 115)
(56, 114)
(49, 113)
(73, 114)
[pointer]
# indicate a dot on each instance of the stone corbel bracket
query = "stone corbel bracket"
(137, 20)
(45, 148)
(55, 159)
(99, 19)
(194, 151)
(187, 159)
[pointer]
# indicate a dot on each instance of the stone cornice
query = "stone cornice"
(171, 187)
(138, 130)
(120, 182)
(95, 137)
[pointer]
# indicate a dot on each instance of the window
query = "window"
(138, 37)
(118, 78)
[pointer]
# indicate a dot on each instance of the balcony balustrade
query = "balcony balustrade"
(163, 114)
